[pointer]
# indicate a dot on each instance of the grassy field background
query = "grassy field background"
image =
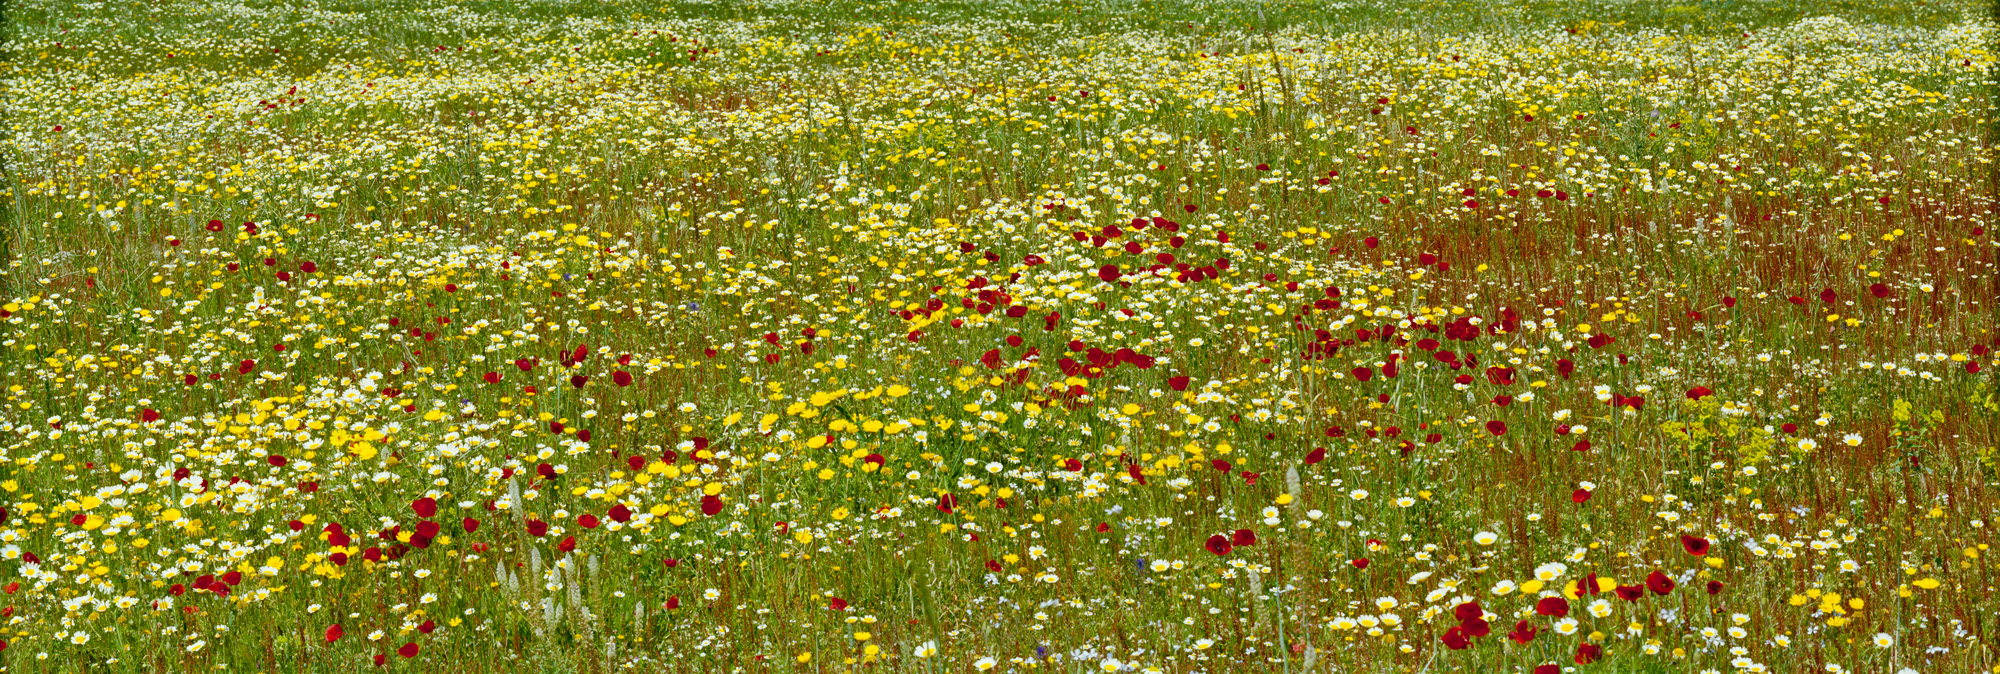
(940, 337)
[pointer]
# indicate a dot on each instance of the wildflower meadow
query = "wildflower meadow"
(1060, 336)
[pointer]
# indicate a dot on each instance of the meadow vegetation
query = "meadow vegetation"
(1105, 336)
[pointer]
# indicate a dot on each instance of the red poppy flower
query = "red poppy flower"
(334, 633)
(1579, 495)
(711, 504)
(1659, 583)
(425, 507)
(409, 650)
(1522, 634)
(492, 377)
(1695, 545)
(428, 627)
(1630, 592)
(672, 603)
(1177, 383)
(1109, 273)
(1454, 639)
(1699, 392)
(275, 460)
(470, 525)
(620, 513)
(568, 544)
(1496, 427)
(1317, 455)
(1555, 607)
(538, 528)
(621, 378)
(1359, 563)
(587, 521)
(1072, 465)
(1468, 611)
(1549, 669)
(1242, 538)
(1218, 544)
(1714, 587)
(1476, 627)
(1588, 653)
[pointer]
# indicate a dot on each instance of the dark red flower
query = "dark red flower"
(1218, 544)
(1659, 583)
(1695, 545)
(1579, 495)
(711, 504)
(1555, 607)
(409, 650)
(1242, 538)
(1454, 639)
(1588, 653)
(1359, 563)
(621, 378)
(425, 507)
(1496, 427)
(1468, 611)
(1522, 634)
(1699, 392)
(334, 633)
(538, 528)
